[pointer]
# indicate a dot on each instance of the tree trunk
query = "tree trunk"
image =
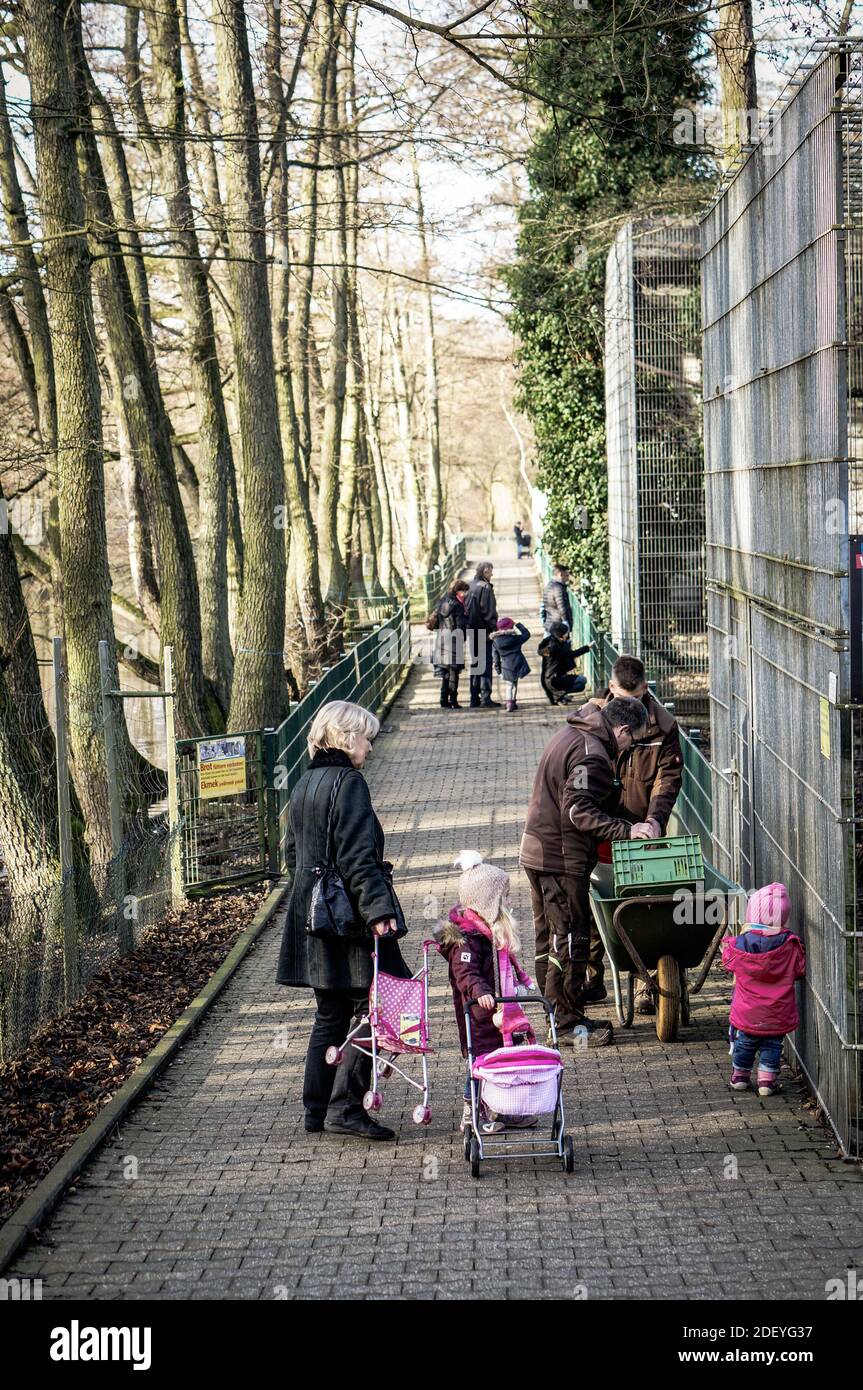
(41, 351)
(215, 456)
(80, 478)
(414, 534)
(305, 275)
(333, 570)
(434, 518)
(146, 422)
(735, 53)
(259, 693)
(305, 633)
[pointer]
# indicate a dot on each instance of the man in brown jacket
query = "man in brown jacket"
(573, 806)
(650, 775)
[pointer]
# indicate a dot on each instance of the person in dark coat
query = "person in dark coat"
(574, 804)
(555, 606)
(449, 654)
(481, 623)
(559, 679)
(509, 658)
(339, 971)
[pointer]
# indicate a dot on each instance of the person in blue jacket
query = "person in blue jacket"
(509, 660)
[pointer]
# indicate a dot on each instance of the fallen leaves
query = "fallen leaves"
(73, 1066)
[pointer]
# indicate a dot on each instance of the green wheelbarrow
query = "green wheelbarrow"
(659, 937)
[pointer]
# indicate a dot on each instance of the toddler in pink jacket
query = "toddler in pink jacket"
(766, 960)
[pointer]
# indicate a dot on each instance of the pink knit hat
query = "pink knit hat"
(769, 906)
(504, 624)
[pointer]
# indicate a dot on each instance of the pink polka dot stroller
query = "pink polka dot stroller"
(396, 1025)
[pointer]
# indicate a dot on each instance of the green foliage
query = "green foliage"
(605, 148)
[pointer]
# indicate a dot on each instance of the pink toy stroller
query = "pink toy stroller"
(397, 1023)
(518, 1079)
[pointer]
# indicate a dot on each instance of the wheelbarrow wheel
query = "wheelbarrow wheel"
(668, 1002)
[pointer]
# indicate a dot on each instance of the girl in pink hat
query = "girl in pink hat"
(766, 960)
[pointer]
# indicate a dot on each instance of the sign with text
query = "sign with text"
(221, 767)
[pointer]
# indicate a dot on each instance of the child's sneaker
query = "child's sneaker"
(510, 706)
(739, 1081)
(768, 1085)
(466, 1117)
(489, 1123)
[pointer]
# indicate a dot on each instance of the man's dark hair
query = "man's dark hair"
(628, 671)
(625, 711)
(559, 630)
(561, 569)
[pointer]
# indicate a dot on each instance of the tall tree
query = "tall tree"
(305, 633)
(259, 693)
(215, 455)
(734, 41)
(80, 476)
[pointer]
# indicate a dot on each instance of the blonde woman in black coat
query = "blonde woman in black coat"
(339, 970)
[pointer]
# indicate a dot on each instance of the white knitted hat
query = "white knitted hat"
(482, 887)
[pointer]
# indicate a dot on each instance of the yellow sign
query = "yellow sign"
(825, 727)
(221, 767)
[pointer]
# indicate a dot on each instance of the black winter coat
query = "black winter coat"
(509, 659)
(481, 606)
(357, 850)
(449, 643)
(558, 658)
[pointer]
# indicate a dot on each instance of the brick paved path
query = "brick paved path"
(233, 1199)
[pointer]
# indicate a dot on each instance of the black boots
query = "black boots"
(449, 695)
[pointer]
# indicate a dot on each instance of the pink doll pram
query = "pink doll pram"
(519, 1079)
(397, 1024)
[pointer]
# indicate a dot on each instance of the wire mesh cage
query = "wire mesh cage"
(655, 457)
(782, 309)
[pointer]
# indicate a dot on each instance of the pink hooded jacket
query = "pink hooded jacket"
(766, 960)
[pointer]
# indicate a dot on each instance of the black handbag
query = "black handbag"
(331, 913)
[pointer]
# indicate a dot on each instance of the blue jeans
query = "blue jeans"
(746, 1046)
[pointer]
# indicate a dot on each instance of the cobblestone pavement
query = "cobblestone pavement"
(681, 1189)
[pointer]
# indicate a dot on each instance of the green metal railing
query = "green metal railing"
(240, 837)
(694, 808)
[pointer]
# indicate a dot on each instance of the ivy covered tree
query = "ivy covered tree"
(608, 145)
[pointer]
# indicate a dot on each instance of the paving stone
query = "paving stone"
(234, 1200)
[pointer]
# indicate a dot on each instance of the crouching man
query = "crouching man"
(575, 805)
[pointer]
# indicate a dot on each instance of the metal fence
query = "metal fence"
(655, 457)
(239, 835)
(101, 891)
(782, 279)
(693, 811)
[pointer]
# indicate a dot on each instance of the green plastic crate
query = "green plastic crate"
(656, 866)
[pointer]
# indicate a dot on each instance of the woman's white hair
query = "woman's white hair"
(338, 723)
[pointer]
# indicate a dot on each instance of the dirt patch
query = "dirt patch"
(74, 1065)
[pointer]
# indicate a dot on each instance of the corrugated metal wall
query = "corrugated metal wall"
(655, 462)
(779, 308)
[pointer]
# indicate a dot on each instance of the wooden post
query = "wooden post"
(71, 965)
(174, 830)
(125, 935)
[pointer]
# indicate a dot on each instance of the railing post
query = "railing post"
(174, 828)
(71, 965)
(125, 938)
(268, 772)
